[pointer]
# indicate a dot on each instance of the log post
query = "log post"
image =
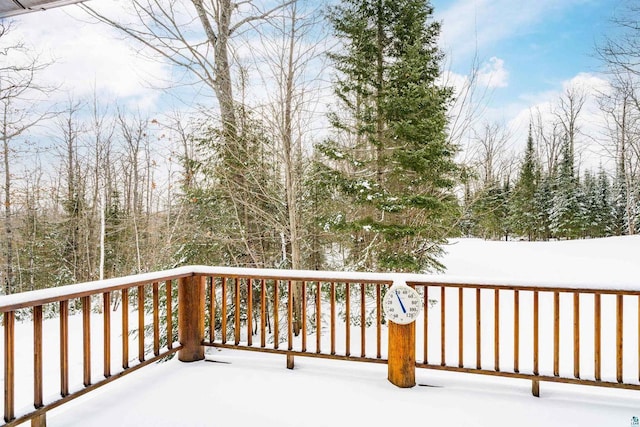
(535, 388)
(402, 354)
(39, 421)
(290, 361)
(191, 300)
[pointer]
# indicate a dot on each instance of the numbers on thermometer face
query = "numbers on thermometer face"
(402, 304)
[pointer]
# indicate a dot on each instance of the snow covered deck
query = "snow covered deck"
(247, 389)
(520, 327)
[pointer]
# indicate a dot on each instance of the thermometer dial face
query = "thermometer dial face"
(402, 304)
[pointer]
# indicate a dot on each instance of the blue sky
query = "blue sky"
(541, 43)
(528, 52)
(536, 45)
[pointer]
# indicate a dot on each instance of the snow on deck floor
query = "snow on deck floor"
(248, 389)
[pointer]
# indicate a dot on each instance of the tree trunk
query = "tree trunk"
(8, 229)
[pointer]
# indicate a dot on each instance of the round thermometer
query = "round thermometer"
(402, 304)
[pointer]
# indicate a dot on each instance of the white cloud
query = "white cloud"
(591, 122)
(591, 83)
(492, 74)
(89, 56)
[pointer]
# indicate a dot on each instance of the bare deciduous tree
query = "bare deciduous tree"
(291, 44)
(621, 108)
(17, 87)
(567, 112)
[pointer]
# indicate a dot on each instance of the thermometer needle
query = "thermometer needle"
(400, 301)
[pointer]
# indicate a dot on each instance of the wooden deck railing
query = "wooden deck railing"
(92, 301)
(541, 333)
(338, 315)
(583, 335)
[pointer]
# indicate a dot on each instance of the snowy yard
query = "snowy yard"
(244, 389)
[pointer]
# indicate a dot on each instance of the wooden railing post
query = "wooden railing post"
(191, 300)
(402, 354)
(39, 421)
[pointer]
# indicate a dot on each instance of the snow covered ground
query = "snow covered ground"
(237, 388)
(609, 262)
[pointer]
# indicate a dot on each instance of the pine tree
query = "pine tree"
(619, 204)
(523, 215)
(491, 211)
(604, 208)
(565, 214)
(389, 154)
(544, 206)
(590, 211)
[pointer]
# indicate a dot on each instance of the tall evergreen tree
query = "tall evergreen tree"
(523, 215)
(565, 214)
(620, 218)
(389, 154)
(544, 205)
(604, 208)
(590, 211)
(491, 211)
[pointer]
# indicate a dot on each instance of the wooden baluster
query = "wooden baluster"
(363, 322)
(140, 307)
(576, 334)
(460, 327)
(496, 329)
(86, 340)
(125, 328)
(318, 316)
(249, 312)
(290, 315)
(597, 336)
(223, 315)
(619, 335)
(212, 309)
(535, 385)
(263, 312)
(64, 348)
(169, 313)
(37, 357)
(478, 330)
(333, 317)
(442, 327)
(236, 315)
(304, 316)
(106, 334)
(276, 314)
(378, 321)
(156, 319)
(290, 361)
(426, 325)
(536, 335)
(347, 295)
(516, 331)
(556, 333)
(9, 365)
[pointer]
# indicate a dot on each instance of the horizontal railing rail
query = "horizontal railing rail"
(578, 334)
